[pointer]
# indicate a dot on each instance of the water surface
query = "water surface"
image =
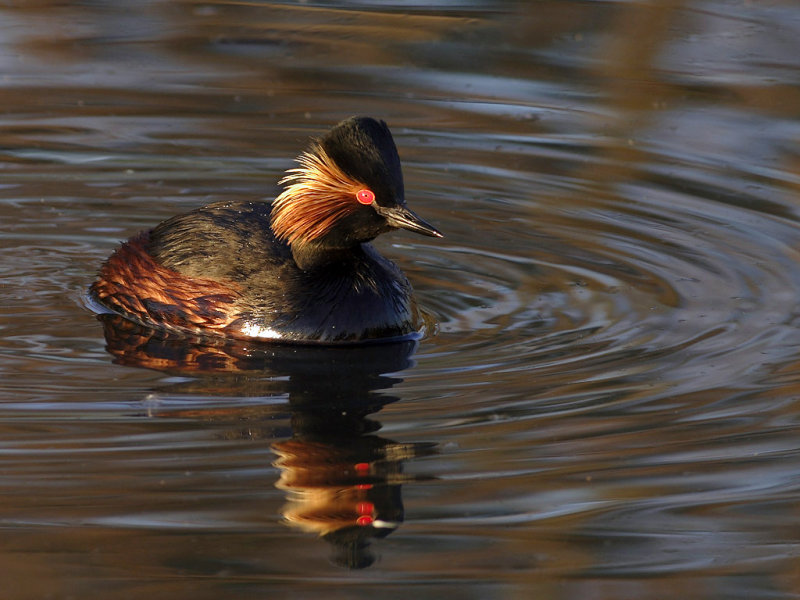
(608, 407)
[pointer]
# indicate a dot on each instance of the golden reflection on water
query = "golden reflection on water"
(341, 480)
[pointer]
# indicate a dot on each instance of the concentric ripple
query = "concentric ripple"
(637, 278)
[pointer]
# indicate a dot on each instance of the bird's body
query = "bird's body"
(300, 269)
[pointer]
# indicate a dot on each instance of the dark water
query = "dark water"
(610, 406)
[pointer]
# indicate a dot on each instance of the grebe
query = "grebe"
(300, 269)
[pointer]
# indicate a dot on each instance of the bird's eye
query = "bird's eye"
(365, 196)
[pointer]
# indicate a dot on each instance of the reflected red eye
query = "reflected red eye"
(365, 508)
(365, 196)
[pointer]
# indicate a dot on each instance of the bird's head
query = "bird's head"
(347, 189)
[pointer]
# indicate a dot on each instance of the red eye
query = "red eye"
(365, 196)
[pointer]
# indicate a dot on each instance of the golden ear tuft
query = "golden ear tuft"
(318, 194)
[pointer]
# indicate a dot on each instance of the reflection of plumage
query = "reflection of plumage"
(342, 481)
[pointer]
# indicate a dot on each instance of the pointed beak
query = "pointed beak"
(403, 218)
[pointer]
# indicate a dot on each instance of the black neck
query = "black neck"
(312, 255)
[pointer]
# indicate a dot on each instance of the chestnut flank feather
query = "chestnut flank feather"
(133, 284)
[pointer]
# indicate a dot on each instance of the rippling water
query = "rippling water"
(608, 406)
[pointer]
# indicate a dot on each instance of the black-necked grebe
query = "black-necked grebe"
(300, 269)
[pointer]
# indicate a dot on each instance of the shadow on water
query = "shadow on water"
(342, 481)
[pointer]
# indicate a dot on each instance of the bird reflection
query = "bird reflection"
(342, 481)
